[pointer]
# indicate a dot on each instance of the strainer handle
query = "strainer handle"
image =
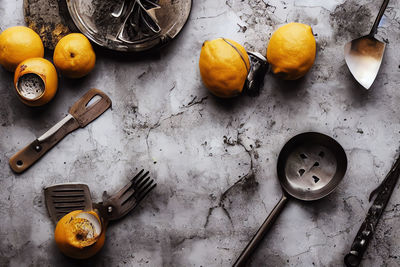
(378, 18)
(252, 245)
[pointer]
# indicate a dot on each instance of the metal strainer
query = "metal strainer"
(310, 166)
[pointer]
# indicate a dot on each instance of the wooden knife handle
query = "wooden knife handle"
(24, 158)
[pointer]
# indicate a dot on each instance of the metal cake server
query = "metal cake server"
(61, 199)
(80, 114)
(367, 229)
(364, 55)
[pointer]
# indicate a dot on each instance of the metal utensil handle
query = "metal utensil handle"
(27, 156)
(251, 246)
(379, 17)
(364, 235)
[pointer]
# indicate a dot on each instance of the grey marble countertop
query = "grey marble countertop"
(214, 160)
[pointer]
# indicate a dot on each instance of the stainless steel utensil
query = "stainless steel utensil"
(130, 25)
(63, 198)
(142, 23)
(310, 166)
(80, 114)
(364, 55)
(367, 229)
(117, 206)
(255, 78)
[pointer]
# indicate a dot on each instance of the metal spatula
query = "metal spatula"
(61, 199)
(364, 55)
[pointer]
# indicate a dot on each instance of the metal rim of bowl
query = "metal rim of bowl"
(340, 156)
(155, 43)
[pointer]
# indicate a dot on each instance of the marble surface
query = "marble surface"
(214, 160)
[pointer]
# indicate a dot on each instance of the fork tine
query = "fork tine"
(147, 191)
(131, 203)
(134, 190)
(131, 188)
(137, 181)
(123, 190)
(139, 187)
(137, 175)
(144, 188)
(128, 194)
(138, 193)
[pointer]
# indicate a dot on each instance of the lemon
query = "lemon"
(17, 44)
(291, 51)
(74, 56)
(224, 65)
(80, 234)
(36, 81)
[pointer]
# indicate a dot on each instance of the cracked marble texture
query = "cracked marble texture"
(214, 160)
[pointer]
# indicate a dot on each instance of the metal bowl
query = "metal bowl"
(130, 25)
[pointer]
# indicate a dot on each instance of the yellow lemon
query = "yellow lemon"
(36, 81)
(291, 51)
(74, 55)
(17, 44)
(80, 234)
(224, 65)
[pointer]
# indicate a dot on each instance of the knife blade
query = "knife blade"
(80, 114)
(383, 193)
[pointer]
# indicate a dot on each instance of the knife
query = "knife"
(367, 229)
(80, 114)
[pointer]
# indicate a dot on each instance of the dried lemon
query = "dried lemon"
(79, 234)
(291, 51)
(224, 65)
(36, 81)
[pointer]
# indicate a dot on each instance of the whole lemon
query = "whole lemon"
(80, 234)
(74, 55)
(17, 44)
(36, 81)
(224, 65)
(291, 51)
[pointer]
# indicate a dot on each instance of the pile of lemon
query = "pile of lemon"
(224, 64)
(22, 51)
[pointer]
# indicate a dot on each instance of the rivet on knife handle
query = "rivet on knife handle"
(81, 113)
(23, 159)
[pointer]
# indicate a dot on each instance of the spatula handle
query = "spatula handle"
(251, 246)
(379, 17)
(24, 158)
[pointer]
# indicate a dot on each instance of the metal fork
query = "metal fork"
(118, 205)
